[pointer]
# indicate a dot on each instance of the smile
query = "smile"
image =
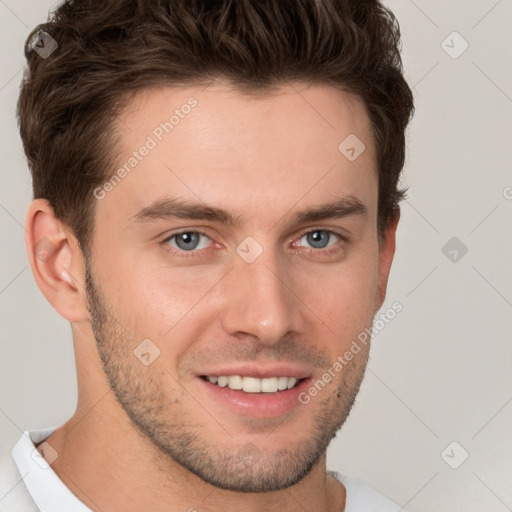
(254, 384)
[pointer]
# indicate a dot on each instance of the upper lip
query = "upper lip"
(259, 371)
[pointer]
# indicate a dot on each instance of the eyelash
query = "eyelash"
(193, 253)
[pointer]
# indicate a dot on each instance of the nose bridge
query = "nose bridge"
(259, 301)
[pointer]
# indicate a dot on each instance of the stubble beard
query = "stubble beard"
(247, 467)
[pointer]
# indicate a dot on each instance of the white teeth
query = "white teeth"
(269, 385)
(291, 382)
(253, 384)
(282, 383)
(235, 382)
(223, 381)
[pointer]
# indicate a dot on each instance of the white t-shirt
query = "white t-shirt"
(29, 484)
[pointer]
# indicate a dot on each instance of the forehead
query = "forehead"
(310, 112)
(222, 147)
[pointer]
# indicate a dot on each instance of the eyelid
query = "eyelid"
(311, 229)
(199, 231)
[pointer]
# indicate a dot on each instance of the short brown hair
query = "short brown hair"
(107, 50)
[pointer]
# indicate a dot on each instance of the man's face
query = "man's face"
(273, 295)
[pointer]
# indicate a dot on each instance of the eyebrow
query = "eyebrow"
(173, 208)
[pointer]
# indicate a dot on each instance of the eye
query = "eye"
(187, 241)
(320, 238)
(191, 243)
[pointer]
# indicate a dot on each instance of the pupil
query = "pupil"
(318, 239)
(186, 240)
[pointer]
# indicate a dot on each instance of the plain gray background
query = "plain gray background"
(440, 372)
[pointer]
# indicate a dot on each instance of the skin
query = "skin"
(148, 437)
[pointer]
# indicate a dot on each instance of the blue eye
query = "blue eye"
(187, 241)
(319, 239)
(190, 244)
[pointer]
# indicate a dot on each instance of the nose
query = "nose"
(260, 300)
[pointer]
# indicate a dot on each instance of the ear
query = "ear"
(386, 254)
(56, 261)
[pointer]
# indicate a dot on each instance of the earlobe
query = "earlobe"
(56, 261)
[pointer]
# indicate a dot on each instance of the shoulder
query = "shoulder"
(14, 495)
(362, 496)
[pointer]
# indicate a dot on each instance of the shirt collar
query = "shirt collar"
(47, 490)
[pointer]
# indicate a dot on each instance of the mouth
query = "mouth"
(248, 384)
(258, 394)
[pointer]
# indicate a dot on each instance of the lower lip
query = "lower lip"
(258, 405)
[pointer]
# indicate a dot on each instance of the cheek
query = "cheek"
(165, 304)
(344, 297)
